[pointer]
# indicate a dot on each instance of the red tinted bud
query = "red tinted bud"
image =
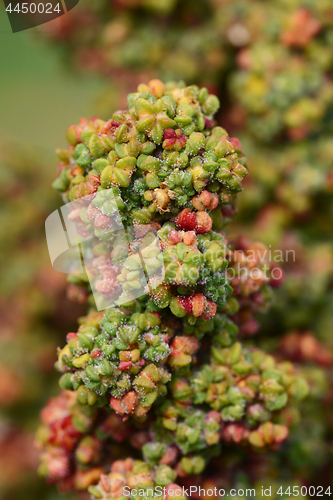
(96, 353)
(70, 336)
(185, 303)
(126, 404)
(235, 142)
(125, 365)
(186, 220)
(204, 223)
(109, 126)
(235, 433)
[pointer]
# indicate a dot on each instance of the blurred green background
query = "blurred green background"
(38, 96)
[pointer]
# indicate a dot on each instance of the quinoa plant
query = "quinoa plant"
(270, 63)
(156, 381)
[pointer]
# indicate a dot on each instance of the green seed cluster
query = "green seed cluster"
(156, 184)
(129, 152)
(182, 268)
(238, 378)
(135, 475)
(125, 352)
(239, 385)
(192, 431)
(139, 169)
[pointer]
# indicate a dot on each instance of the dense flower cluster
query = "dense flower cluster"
(127, 475)
(129, 175)
(123, 358)
(160, 368)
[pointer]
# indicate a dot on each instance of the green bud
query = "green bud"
(100, 164)
(211, 105)
(148, 398)
(153, 452)
(149, 164)
(203, 95)
(195, 142)
(193, 465)
(92, 373)
(164, 475)
(299, 389)
(105, 368)
(82, 395)
(81, 360)
(59, 185)
(231, 413)
(65, 382)
(85, 342)
(148, 147)
(183, 120)
(235, 352)
(71, 135)
(121, 133)
(176, 309)
(86, 135)
(84, 159)
(92, 398)
(95, 492)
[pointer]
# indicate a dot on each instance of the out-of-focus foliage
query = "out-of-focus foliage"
(33, 312)
(270, 63)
